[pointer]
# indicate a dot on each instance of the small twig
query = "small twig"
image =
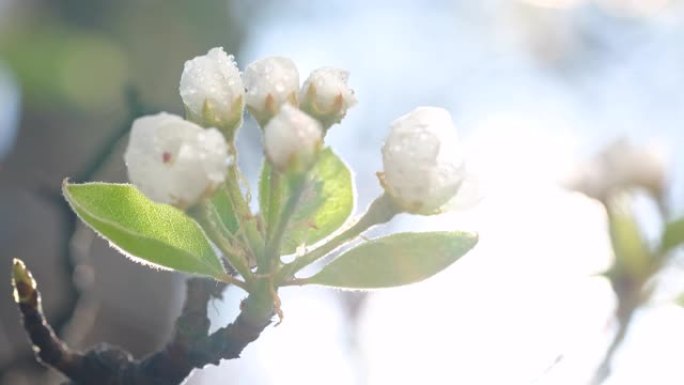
(630, 295)
(68, 314)
(381, 210)
(190, 348)
(49, 349)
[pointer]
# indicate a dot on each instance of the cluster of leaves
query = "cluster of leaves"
(163, 236)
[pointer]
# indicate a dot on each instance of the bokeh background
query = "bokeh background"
(535, 87)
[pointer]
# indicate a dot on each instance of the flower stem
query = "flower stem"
(208, 219)
(380, 211)
(275, 192)
(230, 280)
(246, 220)
(277, 232)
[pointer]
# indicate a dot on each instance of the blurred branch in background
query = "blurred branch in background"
(615, 177)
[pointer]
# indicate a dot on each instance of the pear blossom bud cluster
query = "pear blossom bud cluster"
(621, 166)
(181, 162)
(326, 96)
(292, 139)
(423, 163)
(175, 161)
(212, 90)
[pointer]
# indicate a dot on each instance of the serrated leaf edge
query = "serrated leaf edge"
(79, 208)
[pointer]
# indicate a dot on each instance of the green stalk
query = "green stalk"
(277, 232)
(380, 211)
(208, 219)
(246, 219)
(230, 280)
(275, 191)
(258, 308)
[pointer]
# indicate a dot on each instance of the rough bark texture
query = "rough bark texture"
(191, 346)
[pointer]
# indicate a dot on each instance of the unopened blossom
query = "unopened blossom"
(213, 92)
(326, 95)
(292, 139)
(175, 161)
(621, 166)
(270, 83)
(423, 163)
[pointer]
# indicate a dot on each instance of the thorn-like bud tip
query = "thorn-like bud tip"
(22, 280)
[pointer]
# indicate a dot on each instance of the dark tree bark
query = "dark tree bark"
(191, 346)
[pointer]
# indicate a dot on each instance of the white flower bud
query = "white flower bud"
(270, 83)
(213, 92)
(621, 166)
(175, 161)
(423, 162)
(292, 140)
(326, 96)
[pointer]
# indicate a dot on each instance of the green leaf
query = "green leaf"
(146, 231)
(224, 208)
(673, 236)
(396, 260)
(327, 201)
